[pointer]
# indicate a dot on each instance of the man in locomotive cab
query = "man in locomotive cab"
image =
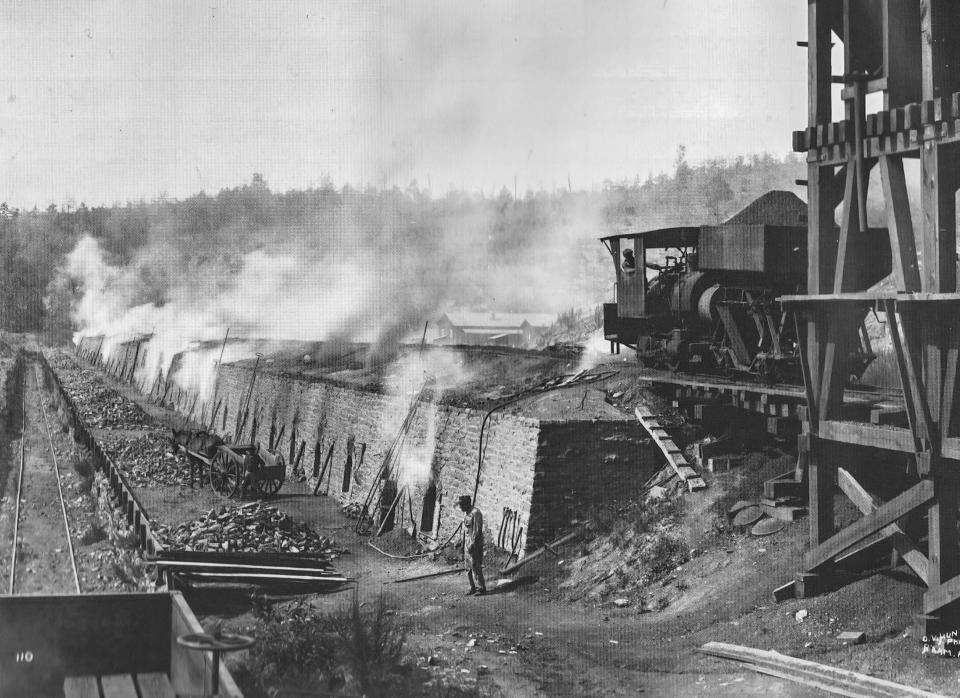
(629, 265)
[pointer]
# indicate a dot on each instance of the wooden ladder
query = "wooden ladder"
(681, 466)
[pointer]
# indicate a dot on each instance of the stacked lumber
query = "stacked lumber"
(675, 458)
(247, 568)
(821, 676)
(252, 527)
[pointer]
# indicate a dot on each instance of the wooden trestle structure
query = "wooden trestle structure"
(908, 51)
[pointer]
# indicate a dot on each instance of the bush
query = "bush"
(370, 645)
(83, 467)
(294, 648)
(639, 519)
(349, 652)
(85, 486)
(663, 553)
(93, 534)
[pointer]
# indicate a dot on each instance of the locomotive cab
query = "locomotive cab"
(646, 296)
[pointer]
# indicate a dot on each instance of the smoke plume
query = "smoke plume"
(321, 265)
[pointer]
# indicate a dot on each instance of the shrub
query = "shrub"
(93, 534)
(298, 647)
(293, 648)
(83, 467)
(370, 645)
(664, 552)
(85, 486)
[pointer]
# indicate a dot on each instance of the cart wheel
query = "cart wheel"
(225, 476)
(271, 485)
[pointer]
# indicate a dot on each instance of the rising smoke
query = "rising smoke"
(363, 267)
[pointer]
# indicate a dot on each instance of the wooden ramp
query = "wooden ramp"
(681, 466)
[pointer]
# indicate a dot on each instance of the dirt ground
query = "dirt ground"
(524, 639)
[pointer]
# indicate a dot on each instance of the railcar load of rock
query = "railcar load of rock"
(248, 528)
(97, 405)
(147, 459)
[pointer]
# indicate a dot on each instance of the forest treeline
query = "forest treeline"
(537, 252)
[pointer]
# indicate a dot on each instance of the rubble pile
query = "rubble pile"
(147, 459)
(253, 528)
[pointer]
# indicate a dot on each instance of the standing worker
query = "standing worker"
(473, 545)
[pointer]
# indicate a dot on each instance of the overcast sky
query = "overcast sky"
(115, 101)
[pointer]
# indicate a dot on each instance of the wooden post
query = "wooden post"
(940, 31)
(902, 245)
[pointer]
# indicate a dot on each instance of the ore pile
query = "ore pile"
(253, 528)
(147, 460)
(97, 405)
(102, 408)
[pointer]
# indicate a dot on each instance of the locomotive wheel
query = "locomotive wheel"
(225, 476)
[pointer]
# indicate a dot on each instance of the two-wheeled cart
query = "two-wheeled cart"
(230, 464)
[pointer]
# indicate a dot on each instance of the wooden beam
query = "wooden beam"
(867, 504)
(821, 17)
(840, 334)
(936, 597)
(905, 384)
(942, 538)
(910, 326)
(849, 227)
(821, 468)
(952, 347)
(938, 163)
(859, 434)
(825, 677)
(900, 227)
(808, 384)
(886, 514)
(823, 191)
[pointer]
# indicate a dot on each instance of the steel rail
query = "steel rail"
(16, 514)
(56, 467)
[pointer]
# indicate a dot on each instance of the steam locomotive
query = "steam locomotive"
(704, 299)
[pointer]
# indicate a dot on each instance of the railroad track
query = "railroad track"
(42, 558)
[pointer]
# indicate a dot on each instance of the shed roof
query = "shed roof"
(495, 320)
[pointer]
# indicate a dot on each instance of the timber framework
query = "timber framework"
(904, 479)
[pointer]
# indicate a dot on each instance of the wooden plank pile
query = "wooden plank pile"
(247, 568)
(252, 527)
(821, 676)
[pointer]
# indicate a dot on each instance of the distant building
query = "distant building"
(492, 328)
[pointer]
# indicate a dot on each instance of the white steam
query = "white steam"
(408, 376)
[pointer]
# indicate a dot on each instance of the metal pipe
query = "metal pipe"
(546, 548)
